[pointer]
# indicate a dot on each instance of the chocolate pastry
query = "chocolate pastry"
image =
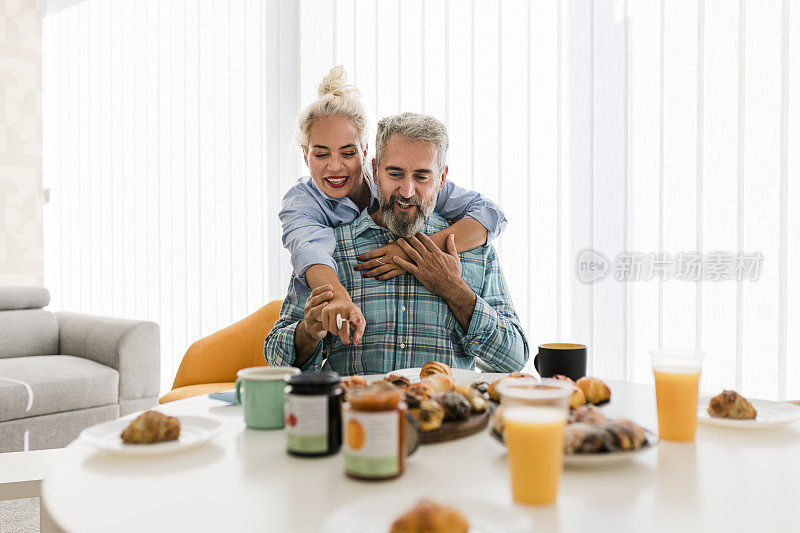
(456, 407)
(480, 386)
(581, 437)
(475, 398)
(397, 381)
(429, 414)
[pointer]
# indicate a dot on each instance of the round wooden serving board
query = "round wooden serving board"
(455, 429)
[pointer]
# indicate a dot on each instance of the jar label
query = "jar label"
(371, 443)
(306, 423)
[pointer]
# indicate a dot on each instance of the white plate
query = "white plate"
(768, 415)
(375, 515)
(195, 430)
(461, 375)
(602, 458)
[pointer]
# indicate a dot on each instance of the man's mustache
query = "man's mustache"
(395, 198)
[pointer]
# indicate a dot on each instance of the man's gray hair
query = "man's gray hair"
(415, 127)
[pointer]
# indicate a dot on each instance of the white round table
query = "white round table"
(243, 480)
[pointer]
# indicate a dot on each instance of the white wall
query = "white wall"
(21, 247)
(648, 126)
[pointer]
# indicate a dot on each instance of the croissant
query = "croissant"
(151, 427)
(595, 390)
(440, 382)
(434, 367)
(430, 517)
(731, 404)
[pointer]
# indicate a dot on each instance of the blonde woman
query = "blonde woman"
(332, 133)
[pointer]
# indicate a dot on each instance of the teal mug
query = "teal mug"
(259, 390)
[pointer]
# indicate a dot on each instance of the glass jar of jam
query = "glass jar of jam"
(313, 413)
(374, 432)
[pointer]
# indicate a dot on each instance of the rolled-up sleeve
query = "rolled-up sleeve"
(307, 234)
(279, 344)
(455, 203)
(495, 334)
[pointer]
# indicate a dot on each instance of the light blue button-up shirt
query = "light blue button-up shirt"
(308, 216)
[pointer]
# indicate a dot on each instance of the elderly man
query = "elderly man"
(448, 308)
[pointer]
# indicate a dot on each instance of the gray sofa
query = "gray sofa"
(62, 372)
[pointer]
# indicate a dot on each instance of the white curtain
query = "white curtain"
(616, 126)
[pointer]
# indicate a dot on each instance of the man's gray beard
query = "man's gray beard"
(400, 225)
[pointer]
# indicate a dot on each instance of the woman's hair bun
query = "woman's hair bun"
(335, 83)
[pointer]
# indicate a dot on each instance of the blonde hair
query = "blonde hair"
(334, 97)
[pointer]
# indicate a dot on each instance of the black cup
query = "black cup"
(561, 358)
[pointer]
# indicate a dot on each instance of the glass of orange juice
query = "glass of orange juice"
(534, 416)
(677, 374)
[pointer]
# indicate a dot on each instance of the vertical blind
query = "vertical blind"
(610, 125)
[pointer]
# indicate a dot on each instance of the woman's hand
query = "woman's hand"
(379, 264)
(316, 302)
(352, 315)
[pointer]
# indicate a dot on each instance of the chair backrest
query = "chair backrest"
(218, 357)
(26, 328)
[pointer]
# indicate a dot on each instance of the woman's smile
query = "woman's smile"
(337, 182)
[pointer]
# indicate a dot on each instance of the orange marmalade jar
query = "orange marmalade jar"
(373, 422)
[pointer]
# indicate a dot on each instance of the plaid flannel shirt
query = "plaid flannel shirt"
(407, 325)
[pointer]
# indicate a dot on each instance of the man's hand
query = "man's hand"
(352, 315)
(440, 272)
(379, 264)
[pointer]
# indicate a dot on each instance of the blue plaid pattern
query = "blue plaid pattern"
(407, 325)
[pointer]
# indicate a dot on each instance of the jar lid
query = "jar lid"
(313, 378)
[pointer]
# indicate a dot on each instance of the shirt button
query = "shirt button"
(403, 308)
(402, 345)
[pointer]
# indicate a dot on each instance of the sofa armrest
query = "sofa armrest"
(131, 347)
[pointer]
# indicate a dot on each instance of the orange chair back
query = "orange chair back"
(218, 357)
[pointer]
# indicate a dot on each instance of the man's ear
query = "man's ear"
(375, 170)
(444, 178)
(305, 155)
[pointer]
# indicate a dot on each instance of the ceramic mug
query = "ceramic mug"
(259, 390)
(562, 358)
